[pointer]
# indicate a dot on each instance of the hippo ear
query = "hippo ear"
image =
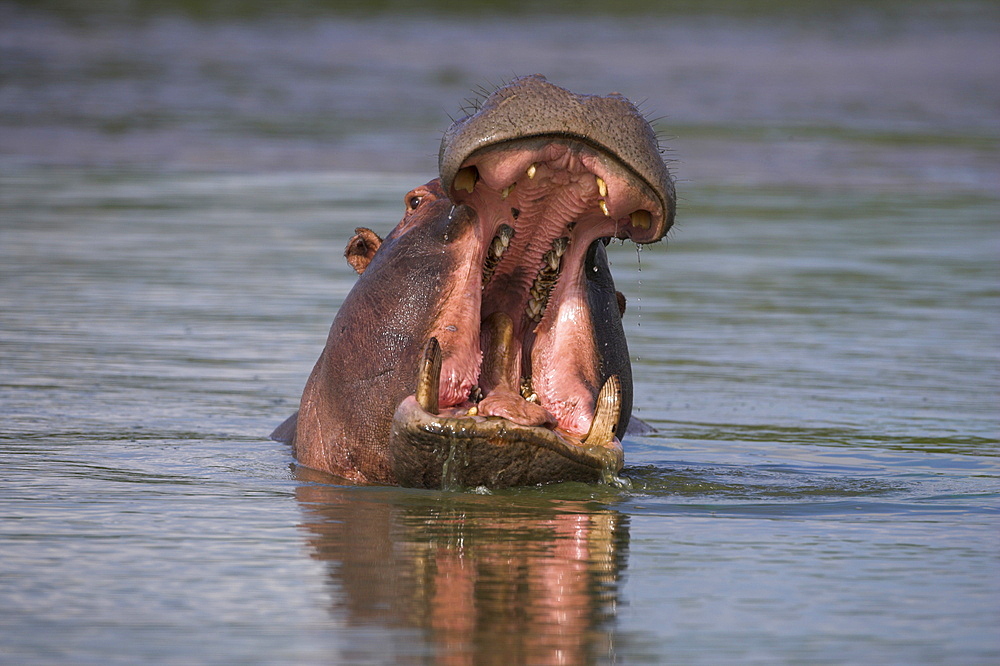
(361, 248)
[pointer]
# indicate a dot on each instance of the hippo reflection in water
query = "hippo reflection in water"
(463, 579)
(483, 343)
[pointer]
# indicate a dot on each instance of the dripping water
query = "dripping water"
(452, 467)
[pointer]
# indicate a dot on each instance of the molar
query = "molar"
(495, 252)
(546, 279)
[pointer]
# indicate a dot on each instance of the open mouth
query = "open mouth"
(519, 364)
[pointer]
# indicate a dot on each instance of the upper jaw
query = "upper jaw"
(613, 201)
(531, 108)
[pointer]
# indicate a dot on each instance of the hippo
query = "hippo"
(482, 344)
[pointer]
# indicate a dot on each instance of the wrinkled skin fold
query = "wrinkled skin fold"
(483, 344)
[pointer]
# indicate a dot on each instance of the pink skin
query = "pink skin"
(563, 192)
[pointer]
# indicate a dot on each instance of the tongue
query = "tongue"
(501, 374)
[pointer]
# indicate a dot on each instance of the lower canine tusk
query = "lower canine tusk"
(429, 377)
(607, 411)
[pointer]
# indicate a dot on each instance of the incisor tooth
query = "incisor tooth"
(604, 207)
(531, 171)
(641, 219)
(466, 179)
(602, 187)
(505, 192)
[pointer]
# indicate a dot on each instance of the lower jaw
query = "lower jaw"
(441, 451)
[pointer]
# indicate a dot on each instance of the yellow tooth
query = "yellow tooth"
(505, 192)
(473, 410)
(429, 377)
(531, 171)
(466, 179)
(602, 187)
(607, 411)
(641, 219)
(604, 207)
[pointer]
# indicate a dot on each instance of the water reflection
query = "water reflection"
(499, 579)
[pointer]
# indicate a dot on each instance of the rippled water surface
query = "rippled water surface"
(816, 345)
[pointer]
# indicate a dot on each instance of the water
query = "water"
(817, 348)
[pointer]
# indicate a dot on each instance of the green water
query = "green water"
(816, 344)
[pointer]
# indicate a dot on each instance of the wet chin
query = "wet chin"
(436, 451)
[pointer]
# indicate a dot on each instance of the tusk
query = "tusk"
(607, 411)
(429, 377)
(500, 358)
(641, 219)
(466, 179)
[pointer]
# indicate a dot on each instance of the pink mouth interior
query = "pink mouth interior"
(546, 372)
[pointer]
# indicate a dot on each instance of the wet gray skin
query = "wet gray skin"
(483, 344)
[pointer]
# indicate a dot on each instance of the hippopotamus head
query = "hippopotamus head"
(483, 342)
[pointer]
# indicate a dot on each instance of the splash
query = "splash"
(610, 478)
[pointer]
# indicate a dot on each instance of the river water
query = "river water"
(816, 345)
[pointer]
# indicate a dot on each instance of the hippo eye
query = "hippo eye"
(414, 202)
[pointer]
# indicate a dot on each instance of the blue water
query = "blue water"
(816, 345)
